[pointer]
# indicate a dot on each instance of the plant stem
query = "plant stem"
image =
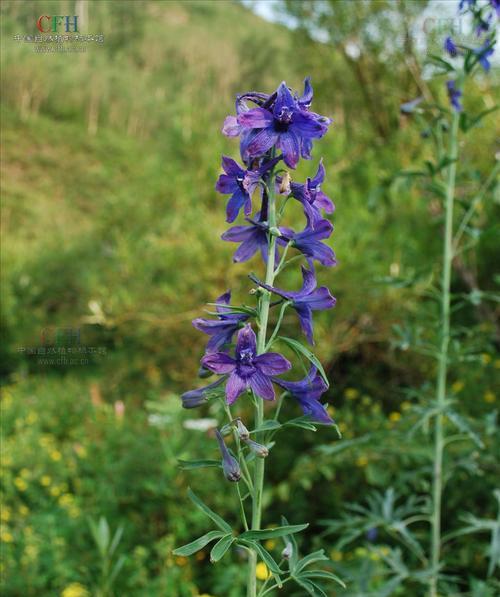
(258, 482)
(437, 486)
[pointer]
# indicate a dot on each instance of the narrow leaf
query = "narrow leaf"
(299, 349)
(222, 524)
(220, 548)
(317, 556)
(273, 533)
(189, 465)
(197, 544)
(265, 556)
(325, 575)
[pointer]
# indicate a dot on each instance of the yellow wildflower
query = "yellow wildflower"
(5, 514)
(25, 473)
(489, 397)
(486, 358)
(270, 544)
(45, 480)
(75, 589)
(55, 491)
(361, 461)
(55, 455)
(261, 571)
(351, 393)
(366, 401)
(6, 537)
(457, 386)
(20, 484)
(24, 510)
(336, 555)
(181, 561)
(31, 418)
(66, 499)
(394, 417)
(406, 405)
(497, 364)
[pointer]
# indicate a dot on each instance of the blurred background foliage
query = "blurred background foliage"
(110, 240)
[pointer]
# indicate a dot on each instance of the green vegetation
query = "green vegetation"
(110, 226)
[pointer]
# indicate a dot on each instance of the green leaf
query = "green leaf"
(325, 575)
(265, 556)
(222, 524)
(292, 562)
(299, 349)
(438, 61)
(273, 533)
(316, 556)
(197, 544)
(269, 425)
(462, 425)
(302, 423)
(313, 589)
(220, 548)
(189, 465)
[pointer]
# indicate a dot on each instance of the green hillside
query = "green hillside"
(110, 229)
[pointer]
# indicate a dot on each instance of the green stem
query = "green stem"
(258, 483)
(439, 443)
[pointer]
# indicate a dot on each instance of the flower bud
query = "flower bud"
(203, 372)
(286, 554)
(284, 185)
(259, 450)
(242, 430)
(230, 466)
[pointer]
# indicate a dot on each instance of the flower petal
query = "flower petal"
(237, 234)
(257, 118)
(320, 299)
(289, 144)
(305, 125)
(226, 184)
(219, 362)
(262, 141)
(231, 128)
(234, 387)
(247, 249)
(231, 167)
(234, 205)
(246, 340)
(272, 363)
(306, 323)
(262, 386)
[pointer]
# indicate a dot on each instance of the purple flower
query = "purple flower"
(454, 95)
(495, 4)
(483, 26)
(466, 4)
(306, 300)
(450, 47)
(247, 369)
(286, 125)
(411, 106)
(253, 238)
(230, 465)
(309, 241)
(483, 53)
(221, 330)
(240, 184)
(195, 398)
(311, 196)
(307, 392)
